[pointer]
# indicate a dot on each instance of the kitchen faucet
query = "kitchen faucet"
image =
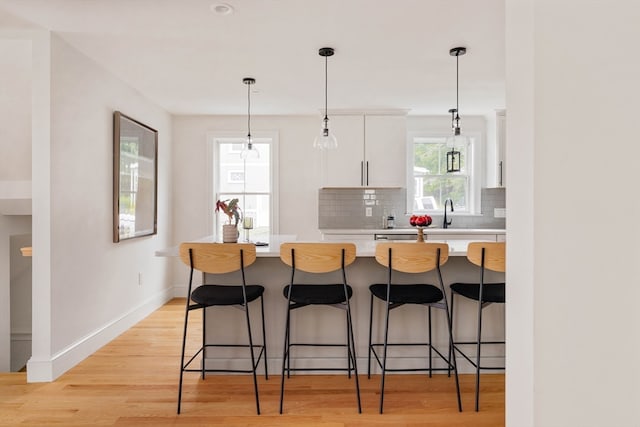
(446, 223)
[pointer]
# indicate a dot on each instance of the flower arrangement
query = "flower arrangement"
(420, 220)
(230, 208)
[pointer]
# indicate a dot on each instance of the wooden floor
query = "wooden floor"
(134, 381)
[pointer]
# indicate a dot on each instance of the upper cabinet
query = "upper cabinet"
(501, 147)
(371, 151)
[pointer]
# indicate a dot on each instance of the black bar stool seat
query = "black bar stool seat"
(492, 292)
(225, 294)
(407, 294)
(313, 294)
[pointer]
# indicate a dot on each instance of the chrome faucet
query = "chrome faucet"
(446, 223)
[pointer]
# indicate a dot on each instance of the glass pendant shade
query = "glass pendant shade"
(249, 152)
(325, 140)
(457, 141)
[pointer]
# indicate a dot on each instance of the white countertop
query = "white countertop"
(413, 230)
(364, 248)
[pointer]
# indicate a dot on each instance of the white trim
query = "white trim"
(47, 370)
(274, 137)
(476, 174)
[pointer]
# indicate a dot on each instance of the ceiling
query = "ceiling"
(190, 60)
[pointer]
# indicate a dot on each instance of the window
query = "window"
(432, 185)
(236, 176)
(251, 181)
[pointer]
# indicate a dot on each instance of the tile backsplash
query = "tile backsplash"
(348, 207)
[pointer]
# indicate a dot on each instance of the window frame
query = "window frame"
(213, 188)
(474, 163)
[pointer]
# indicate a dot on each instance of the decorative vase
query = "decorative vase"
(230, 233)
(420, 235)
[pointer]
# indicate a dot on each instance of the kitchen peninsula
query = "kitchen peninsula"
(273, 274)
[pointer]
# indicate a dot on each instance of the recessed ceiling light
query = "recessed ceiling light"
(222, 8)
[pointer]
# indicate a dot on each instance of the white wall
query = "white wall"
(572, 86)
(299, 173)
(91, 292)
(15, 109)
(15, 165)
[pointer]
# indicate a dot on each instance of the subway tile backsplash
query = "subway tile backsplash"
(347, 208)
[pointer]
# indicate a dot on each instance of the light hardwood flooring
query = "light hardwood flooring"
(134, 381)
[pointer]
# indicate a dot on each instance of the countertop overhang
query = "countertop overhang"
(364, 248)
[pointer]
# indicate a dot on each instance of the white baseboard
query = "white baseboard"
(49, 370)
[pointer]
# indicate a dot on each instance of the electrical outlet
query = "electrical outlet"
(499, 212)
(368, 211)
(139, 279)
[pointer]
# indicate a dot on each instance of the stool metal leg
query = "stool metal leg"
(264, 340)
(479, 341)
(452, 348)
(370, 333)
(348, 345)
(184, 341)
(384, 355)
(204, 340)
(285, 353)
(352, 353)
(430, 346)
(253, 362)
(449, 328)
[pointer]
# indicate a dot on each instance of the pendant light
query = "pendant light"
(249, 152)
(456, 140)
(325, 140)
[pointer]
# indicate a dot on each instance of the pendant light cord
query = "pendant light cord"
(326, 80)
(249, 112)
(457, 93)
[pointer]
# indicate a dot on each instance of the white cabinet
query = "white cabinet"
(501, 149)
(385, 151)
(371, 151)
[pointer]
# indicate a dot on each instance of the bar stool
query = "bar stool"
(488, 256)
(416, 259)
(221, 258)
(318, 259)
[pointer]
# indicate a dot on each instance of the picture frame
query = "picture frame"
(135, 178)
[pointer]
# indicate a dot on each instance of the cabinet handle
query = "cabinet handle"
(500, 174)
(362, 173)
(367, 173)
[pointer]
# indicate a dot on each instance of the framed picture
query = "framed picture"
(135, 178)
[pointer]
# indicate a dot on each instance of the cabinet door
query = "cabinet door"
(501, 148)
(385, 151)
(342, 166)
